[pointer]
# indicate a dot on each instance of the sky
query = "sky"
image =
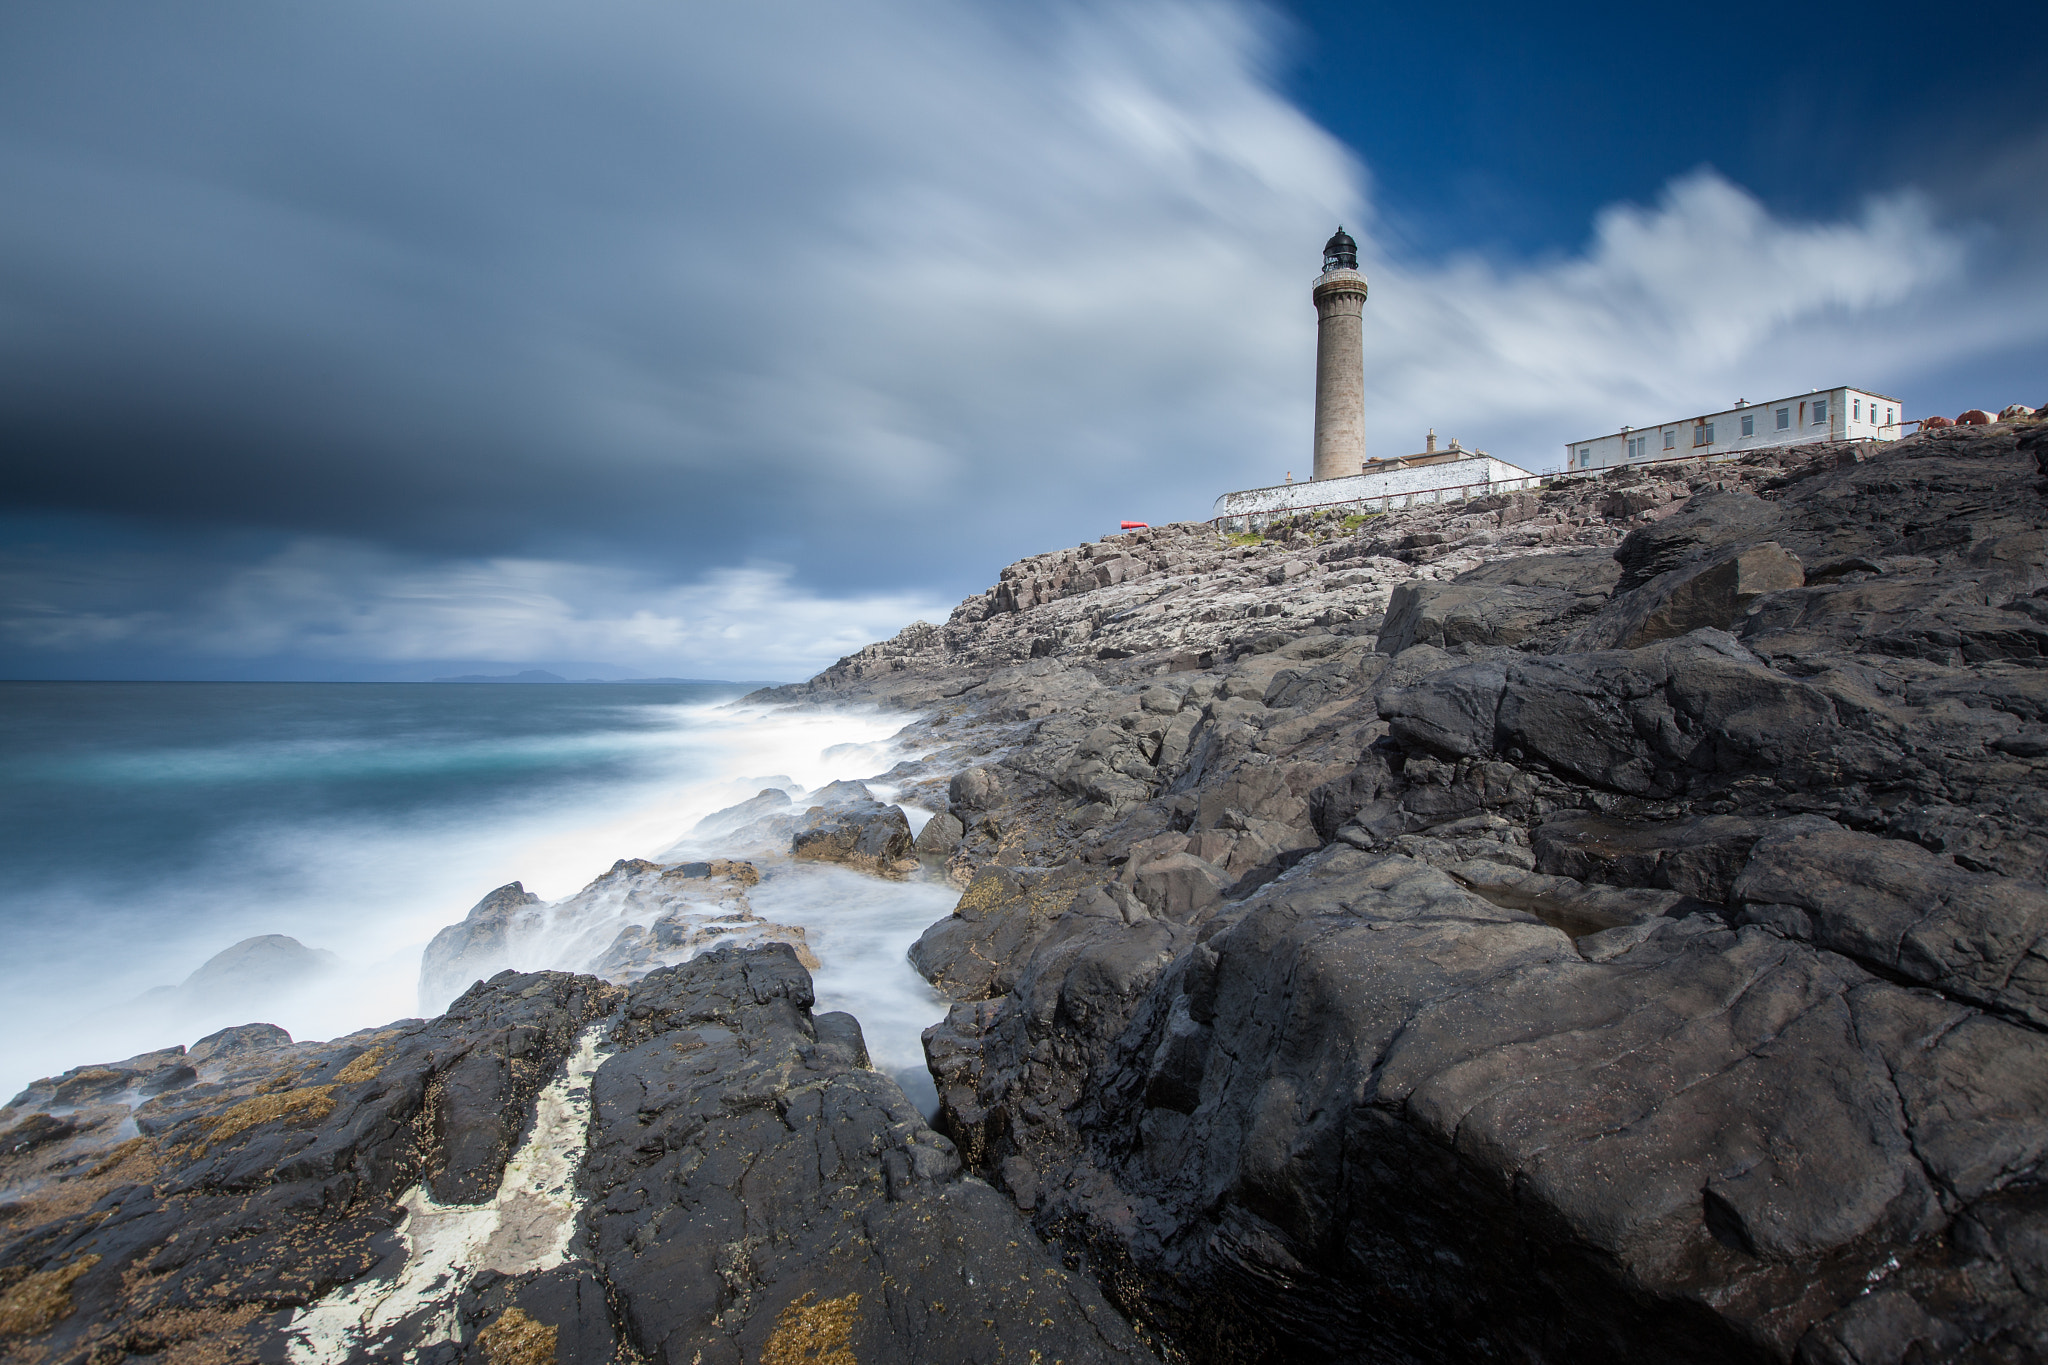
(410, 337)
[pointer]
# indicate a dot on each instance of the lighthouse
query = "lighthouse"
(1339, 296)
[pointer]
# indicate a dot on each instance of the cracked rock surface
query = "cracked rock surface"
(1598, 924)
(737, 1185)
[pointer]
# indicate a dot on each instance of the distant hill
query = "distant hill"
(539, 675)
(531, 675)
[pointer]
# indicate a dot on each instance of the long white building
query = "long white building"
(1839, 414)
(1428, 476)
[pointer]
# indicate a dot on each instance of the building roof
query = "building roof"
(1681, 421)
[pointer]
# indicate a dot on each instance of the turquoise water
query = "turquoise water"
(150, 825)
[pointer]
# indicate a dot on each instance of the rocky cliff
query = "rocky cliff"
(1602, 924)
(1597, 924)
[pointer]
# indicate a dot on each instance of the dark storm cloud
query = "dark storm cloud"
(727, 337)
(464, 278)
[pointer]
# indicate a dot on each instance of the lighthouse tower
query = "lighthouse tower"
(1340, 361)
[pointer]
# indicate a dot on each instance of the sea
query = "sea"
(148, 826)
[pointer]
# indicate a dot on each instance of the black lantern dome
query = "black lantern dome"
(1340, 252)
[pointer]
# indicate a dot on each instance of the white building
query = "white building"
(1840, 414)
(1430, 475)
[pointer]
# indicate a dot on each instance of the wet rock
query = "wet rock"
(974, 953)
(637, 916)
(758, 1195)
(1700, 856)
(866, 836)
(475, 948)
(939, 839)
(770, 801)
(276, 1175)
(1566, 903)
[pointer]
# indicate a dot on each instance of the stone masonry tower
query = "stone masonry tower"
(1340, 361)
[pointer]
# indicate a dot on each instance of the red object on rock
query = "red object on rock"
(1930, 423)
(1135, 526)
(1975, 417)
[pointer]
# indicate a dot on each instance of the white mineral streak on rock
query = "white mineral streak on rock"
(526, 1226)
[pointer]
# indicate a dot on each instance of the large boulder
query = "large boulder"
(759, 1194)
(939, 839)
(1674, 717)
(864, 835)
(1697, 1144)
(1707, 523)
(974, 952)
(1715, 593)
(476, 948)
(253, 971)
(211, 1221)
(1904, 911)
(1586, 574)
(1449, 614)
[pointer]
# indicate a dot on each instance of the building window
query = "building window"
(1784, 418)
(1856, 409)
(1820, 411)
(1670, 440)
(1889, 420)
(1702, 433)
(1748, 425)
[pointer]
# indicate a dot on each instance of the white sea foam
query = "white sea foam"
(374, 891)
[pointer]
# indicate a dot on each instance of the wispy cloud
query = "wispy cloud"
(348, 603)
(1671, 308)
(536, 309)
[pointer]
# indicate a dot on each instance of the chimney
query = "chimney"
(1429, 445)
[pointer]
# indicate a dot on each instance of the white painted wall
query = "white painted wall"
(1450, 481)
(1841, 414)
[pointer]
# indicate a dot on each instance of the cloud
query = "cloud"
(350, 603)
(539, 307)
(786, 279)
(1671, 309)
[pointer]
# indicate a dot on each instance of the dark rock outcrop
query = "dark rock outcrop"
(758, 1194)
(865, 835)
(268, 1174)
(1634, 965)
(750, 1190)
